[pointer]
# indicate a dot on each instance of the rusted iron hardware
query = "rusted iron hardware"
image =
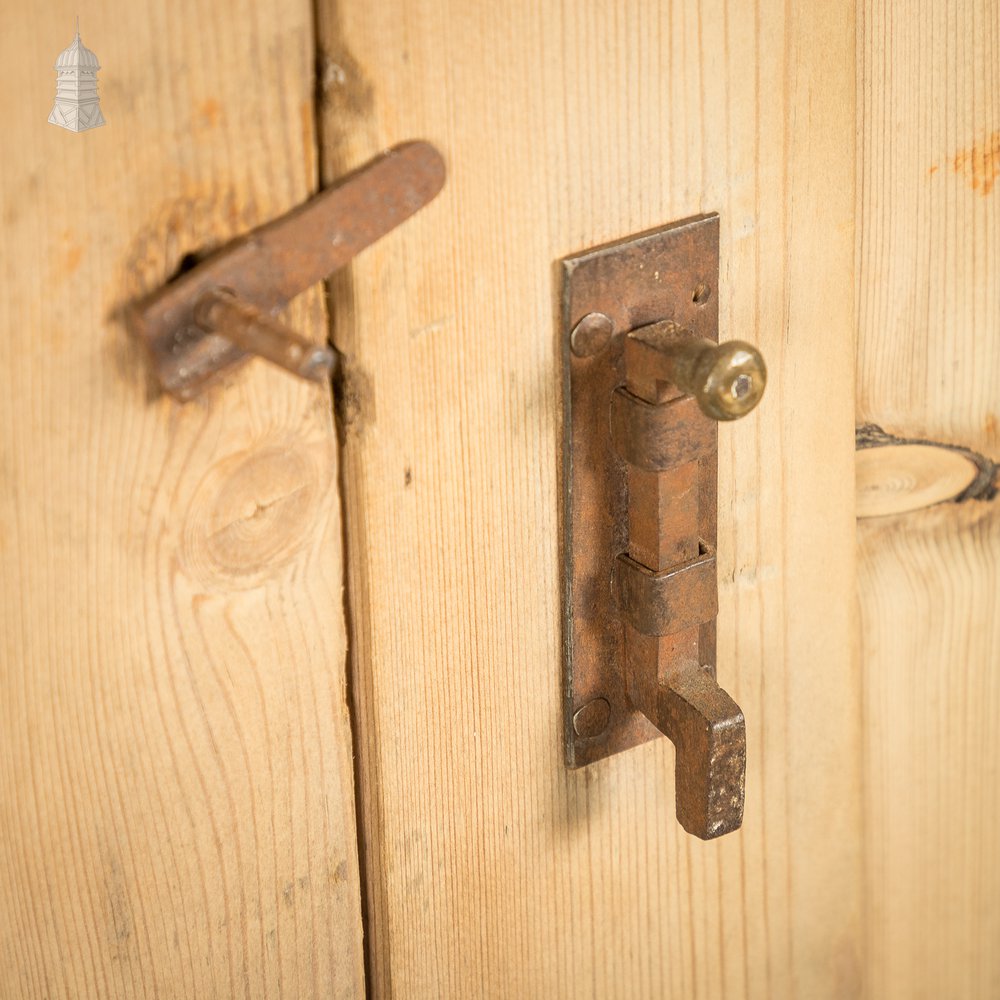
(215, 316)
(645, 384)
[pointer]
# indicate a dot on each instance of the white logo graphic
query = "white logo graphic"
(77, 106)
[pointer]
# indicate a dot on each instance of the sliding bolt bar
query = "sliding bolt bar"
(220, 311)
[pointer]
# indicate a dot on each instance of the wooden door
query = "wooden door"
(928, 237)
(492, 870)
(177, 775)
(176, 793)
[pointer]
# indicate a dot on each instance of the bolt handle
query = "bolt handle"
(727, 380)
(709, 731)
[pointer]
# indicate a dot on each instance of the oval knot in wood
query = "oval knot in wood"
(898, 478)
(250, 516)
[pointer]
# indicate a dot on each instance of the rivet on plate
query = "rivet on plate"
(592, 719)
(591, 335)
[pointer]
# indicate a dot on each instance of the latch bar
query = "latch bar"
(268, 267)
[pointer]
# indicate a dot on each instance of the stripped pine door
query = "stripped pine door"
(177, 772)
(928, 228)
(176, 792)
(491, 870)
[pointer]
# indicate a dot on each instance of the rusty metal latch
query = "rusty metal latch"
(646, 383)
(215, 316)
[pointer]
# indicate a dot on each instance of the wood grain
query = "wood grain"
(176, 801)
(491, 869)
(928, 224)
(930, 607)
(928, 236)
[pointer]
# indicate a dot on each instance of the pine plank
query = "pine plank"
(176, 789)
(491, 870)
(928, 237)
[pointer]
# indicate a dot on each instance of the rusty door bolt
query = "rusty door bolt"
(641, 459)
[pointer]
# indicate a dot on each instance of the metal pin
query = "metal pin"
(221, 311)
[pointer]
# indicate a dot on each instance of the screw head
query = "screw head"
(742, 384)
(591, 720)
(591, 335)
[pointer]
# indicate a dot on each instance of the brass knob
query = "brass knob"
(727, 380)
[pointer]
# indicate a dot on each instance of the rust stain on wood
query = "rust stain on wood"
(69, 255)
(74, 254)
(990, 428)
(980, 164)
(209, 112)
(194, 221)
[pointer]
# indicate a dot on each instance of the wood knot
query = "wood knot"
(250, 516)
(897, 475)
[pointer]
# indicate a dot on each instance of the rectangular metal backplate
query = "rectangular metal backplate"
(668, 273)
